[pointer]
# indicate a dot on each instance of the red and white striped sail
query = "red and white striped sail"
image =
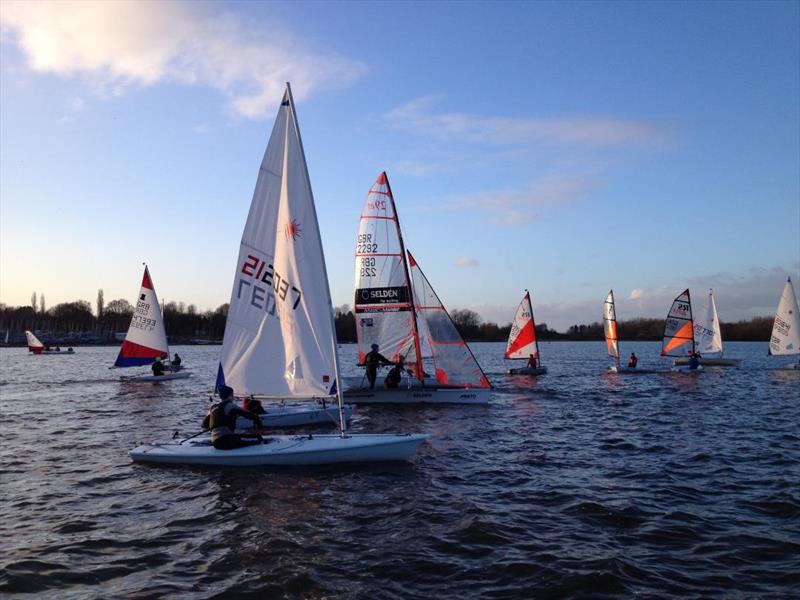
(610, 326)
(384, 308)
(522, 340)
(146, 339)
(679, 328)
(453, 360)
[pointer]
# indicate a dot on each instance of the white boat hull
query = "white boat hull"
(296, 416)
(418, 395)
(687, 370)
(285, 451)
(155, 378)
(710, 362)
(631, 371)
(528, 371)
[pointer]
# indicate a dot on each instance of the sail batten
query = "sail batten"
(279, 338)
(679, 327)
(785, 338)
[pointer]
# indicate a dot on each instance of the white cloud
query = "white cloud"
(636, 294)
(414, 168)
(466, 261)
(124, 44)
(419, 116)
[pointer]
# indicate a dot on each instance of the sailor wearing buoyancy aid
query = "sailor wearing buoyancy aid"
(221, 420)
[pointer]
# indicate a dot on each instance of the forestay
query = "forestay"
(679, 328)
(707, 335)
(785, 337)
(610, 326)
(522, 337)
(146, 339)
(279, 338)
(384, 309)
(453, 361)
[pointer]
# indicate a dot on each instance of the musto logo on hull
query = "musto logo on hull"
(386, 295)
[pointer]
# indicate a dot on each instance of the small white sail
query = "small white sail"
(279, 338)
(679, 327)
(610, 326)
(33, 342)
(522, 337)
(707, 335)
(785, 337)
(453, 361)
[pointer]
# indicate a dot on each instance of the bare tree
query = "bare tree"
(100, 303)
(42, 306)
(33, 301)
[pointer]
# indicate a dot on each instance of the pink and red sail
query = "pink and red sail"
(146, 339)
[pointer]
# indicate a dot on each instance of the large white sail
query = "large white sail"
(522, 341)
(146, 339)
(707, 335)
(785, 337)
(384, 309)
(610, 326)
(453, 360)
(279, 338)
(679, 327)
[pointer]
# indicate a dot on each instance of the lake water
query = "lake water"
(577, 484)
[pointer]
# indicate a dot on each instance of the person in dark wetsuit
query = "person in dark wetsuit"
(372, 361)
(632, 361)
(221, 420)
(694, 361)
(158, 367)
(176, 363)
(532, 363)
(252, 405)
(395, 374)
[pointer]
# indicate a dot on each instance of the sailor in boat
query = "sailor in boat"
(158, 367)
(254, 406)
(632, 361)
(694, 360)
(395, 374)
(176, 363)
(531, 362)
(372, 361)
(221, 420)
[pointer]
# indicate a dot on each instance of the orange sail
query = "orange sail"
(679, 328)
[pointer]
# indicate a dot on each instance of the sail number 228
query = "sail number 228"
(367, 267)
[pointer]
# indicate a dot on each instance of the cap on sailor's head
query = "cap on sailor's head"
(225, 392)
(374, 346)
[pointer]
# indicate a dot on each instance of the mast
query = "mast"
(418, 349)
(533, 322)
(335, 347)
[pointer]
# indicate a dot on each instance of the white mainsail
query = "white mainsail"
(453, 361)
(679, 327)
(707, 335)
(279, 336)
(522, 342)
(610, 326)
(33, 341)
(146, 338)
(785, 337)
(384, 307)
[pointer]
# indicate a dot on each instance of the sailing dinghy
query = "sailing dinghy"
(522, 342)
(397, 309)
(612, 338)
(37, 347)
(279, 337)
(708, 338)
(785, 338)
(679, 331)
(146, 339)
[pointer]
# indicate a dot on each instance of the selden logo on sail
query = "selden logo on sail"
(385, 295)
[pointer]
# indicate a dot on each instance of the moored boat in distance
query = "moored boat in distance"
(708, 339)
(522, 342)
(397, 309)
(279, 336)
(785, 338)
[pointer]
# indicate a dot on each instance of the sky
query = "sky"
(567, 148)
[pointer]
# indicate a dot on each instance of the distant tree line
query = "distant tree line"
(75, 322)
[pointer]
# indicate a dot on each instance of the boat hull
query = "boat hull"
(710, 362)
(54, 352)
(630, 371)
(418, 395)
(155, 378)
(687, 370)
(528, 371)
(297, 416)
(285, 451)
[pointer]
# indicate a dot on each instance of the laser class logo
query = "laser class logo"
(293, 229)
